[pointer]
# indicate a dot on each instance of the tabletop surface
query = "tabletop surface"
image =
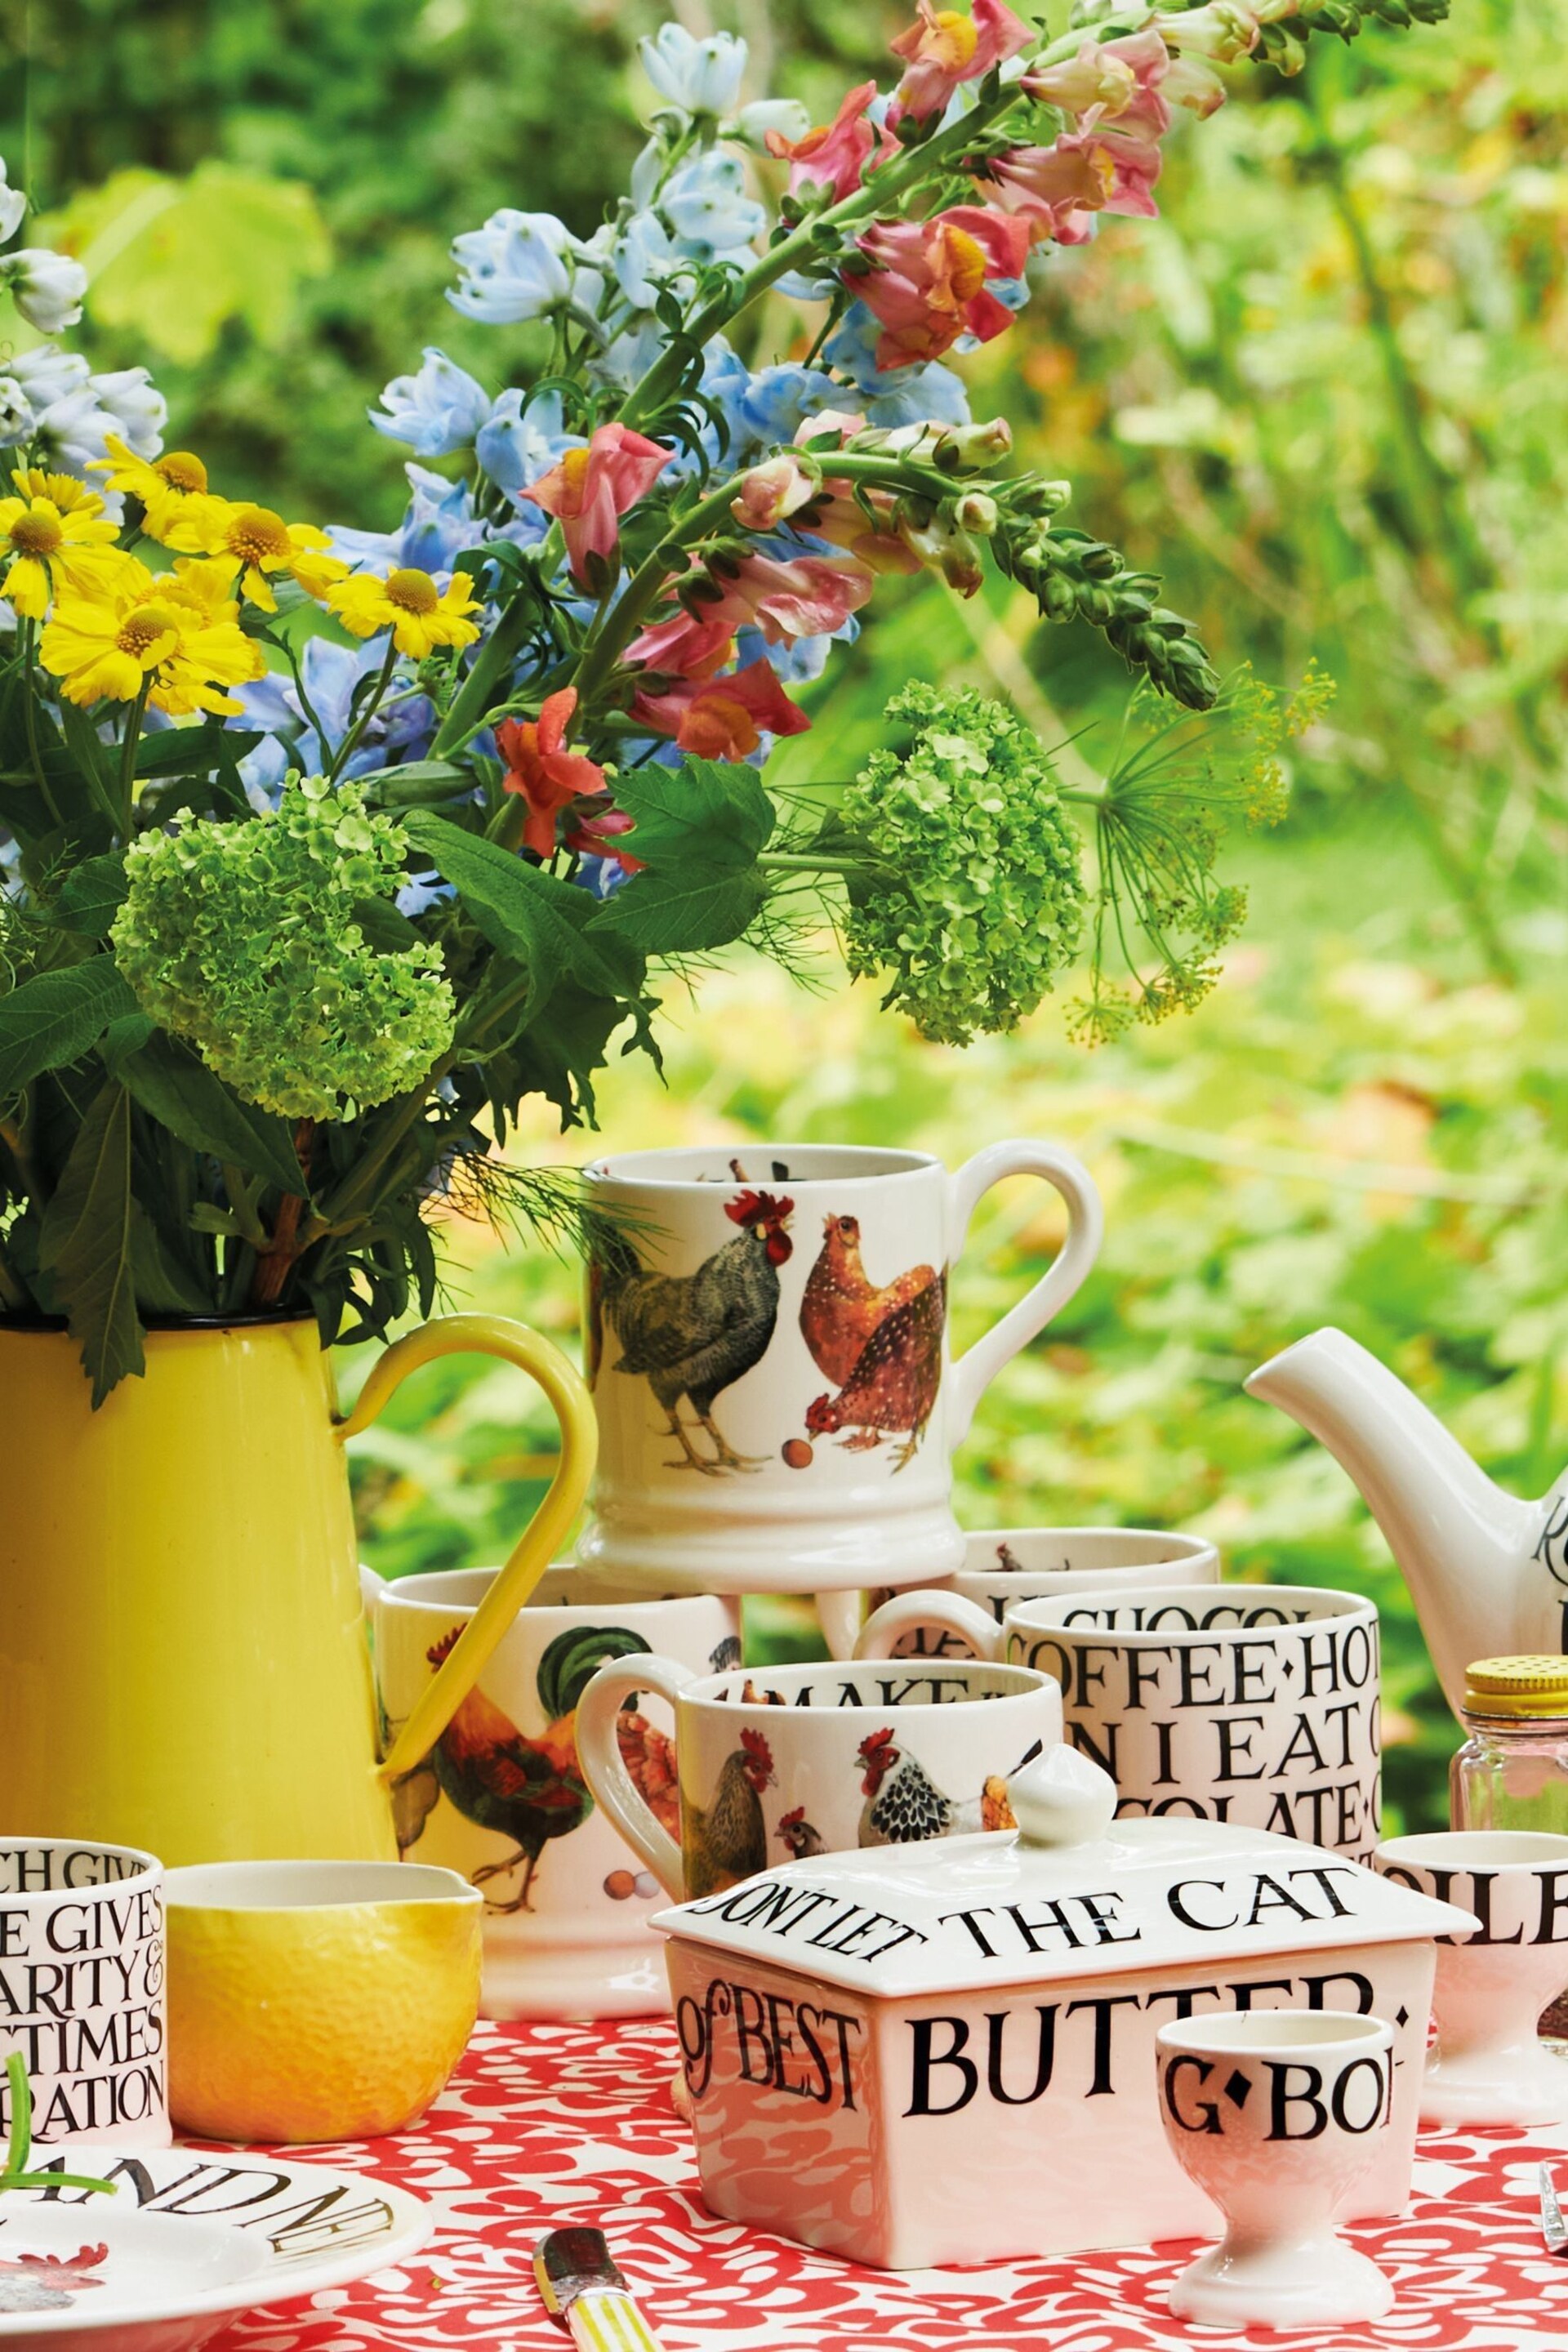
(548, 2123)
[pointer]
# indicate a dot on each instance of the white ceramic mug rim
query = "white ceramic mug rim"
(1024, 1684)
(624, 1167)
(1245, 2033)
(1461, 1850)
(1187, 1547)
(396, 1590)
(42, 1897)
(452, 1887)
(1024, 1614)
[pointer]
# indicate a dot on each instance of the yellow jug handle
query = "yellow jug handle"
(486, 1335)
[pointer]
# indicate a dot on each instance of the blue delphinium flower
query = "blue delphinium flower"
(726, 383)
(706, 204)
(794, 661)
(647, 257)
(440, 522)
(602, 876)
(704, 77)
(435, 412)
(909, 396)
(521, 439)
(632, 353)
(403, 726)
(516, 267)
(780, 398)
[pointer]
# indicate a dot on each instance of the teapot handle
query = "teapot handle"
(486, 1335)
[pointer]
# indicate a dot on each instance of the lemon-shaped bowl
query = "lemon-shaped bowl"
(316, 2001)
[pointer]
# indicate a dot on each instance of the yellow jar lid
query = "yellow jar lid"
(1516, 1686)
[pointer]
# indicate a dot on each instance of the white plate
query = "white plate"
(189, 2241)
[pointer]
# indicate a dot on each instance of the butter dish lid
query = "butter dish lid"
(1069, 1893)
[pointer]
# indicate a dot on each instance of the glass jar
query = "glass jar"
(1511, 1772)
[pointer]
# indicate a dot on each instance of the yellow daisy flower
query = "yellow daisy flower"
(134, 627)
(162, 484)
(420, 616)
(56, 535)
(250, 543)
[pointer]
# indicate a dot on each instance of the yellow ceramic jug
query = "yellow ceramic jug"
(182, 1656)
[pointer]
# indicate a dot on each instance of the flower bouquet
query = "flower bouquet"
(324, 849)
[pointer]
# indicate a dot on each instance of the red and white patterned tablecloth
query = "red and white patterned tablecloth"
(548, 2123)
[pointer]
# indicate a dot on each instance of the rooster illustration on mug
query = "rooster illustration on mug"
(692, 1335)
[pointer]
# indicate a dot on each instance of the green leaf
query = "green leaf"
(206, 1217)
(193, 751)
(123, 1037)
(165, 1285)
(560, 1052)
(383, 927)
(521, 910)
(173, 261)
(683, 913)
(51, 1022)
(711, 813)
(87, 1242)
(92, 895)
(177, 1087)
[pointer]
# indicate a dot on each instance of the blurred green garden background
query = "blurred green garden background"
(1326, 395)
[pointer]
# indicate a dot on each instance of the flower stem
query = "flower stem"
(372, 704)
(29, 685)
(129, 742)
(277, 1262)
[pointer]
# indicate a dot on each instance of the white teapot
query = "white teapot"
(1487, 1572)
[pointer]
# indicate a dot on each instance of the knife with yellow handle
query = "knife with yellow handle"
(585, 2293)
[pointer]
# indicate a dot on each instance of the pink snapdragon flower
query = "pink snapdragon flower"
(927, 285)
(942, 50)
(769, 493)
(835, 155)
(1125, 166)
(725, 718)
(590, 489)
(599, 836)
(541, 770)
(1096, 78)
(1053, 191)
(878, 545)
(803, 597)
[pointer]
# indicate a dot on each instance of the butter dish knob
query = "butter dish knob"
(1062, 1798)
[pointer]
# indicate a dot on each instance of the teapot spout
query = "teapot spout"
(1463, 1545)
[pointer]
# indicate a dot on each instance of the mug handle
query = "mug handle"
(604, 1768)
(485, 1335)
(979, 1365)
(949, 1612)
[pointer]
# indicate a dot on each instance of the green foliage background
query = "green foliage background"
(1328, 395)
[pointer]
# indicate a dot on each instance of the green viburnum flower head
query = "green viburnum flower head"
(244, 938)
(977, 899)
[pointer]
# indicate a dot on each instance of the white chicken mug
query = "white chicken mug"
(767, 1345)
(782, 1762)
(501, 1797)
